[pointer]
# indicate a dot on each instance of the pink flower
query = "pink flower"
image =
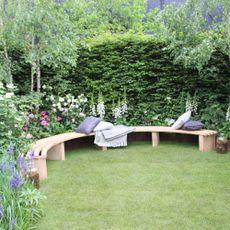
(31, 116)
(25, 128)
(43, 113)
(58, 118)
(44, 123)
(47, 117)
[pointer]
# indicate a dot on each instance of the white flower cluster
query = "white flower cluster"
(228, 114)
(6, 92)
(100, 106)
(191, 104)
(93, 110)
(119, 111)
(67, 103)
(101, 109)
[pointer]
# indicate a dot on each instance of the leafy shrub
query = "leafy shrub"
(11, 117)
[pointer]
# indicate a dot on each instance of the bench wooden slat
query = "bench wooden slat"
(162, 129)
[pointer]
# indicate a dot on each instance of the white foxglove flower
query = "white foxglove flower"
(101, 109)
(93, 110)
(117, 113)
(124, 108)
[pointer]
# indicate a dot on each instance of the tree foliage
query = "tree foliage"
(194, 30)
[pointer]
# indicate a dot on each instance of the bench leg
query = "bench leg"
(104, 148)
(155, 139)
(207, 143)
(57, 152)
(40, 164)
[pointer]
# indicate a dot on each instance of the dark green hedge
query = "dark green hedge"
(145, 68)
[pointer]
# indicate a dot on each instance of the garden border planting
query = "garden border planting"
(53, 148)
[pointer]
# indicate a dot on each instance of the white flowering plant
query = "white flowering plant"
(92, 107)
(11, 118)
(120, 110)
(68, 110)
(191, 104)
(100, 109)
(225, 130)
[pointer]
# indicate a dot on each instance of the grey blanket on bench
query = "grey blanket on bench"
(113, 137)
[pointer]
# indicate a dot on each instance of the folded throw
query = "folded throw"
(116, 136)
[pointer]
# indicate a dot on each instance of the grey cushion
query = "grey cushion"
(88, 125)
(181, 120)
(193, 125)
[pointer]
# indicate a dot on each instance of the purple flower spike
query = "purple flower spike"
(22, 163)
(16, 182)
(13, 222)
(31, 155)
(3, 167)
(10, 149)
(11, 167)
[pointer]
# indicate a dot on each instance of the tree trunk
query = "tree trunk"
(38, 72)
(8, 65)
(33, 70)
(7, 62)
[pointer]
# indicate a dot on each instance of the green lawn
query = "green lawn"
(173, 186)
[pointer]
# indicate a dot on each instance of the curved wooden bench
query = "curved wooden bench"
(53, 147)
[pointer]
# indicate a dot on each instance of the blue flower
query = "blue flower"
(11, 167)
(3, 166)
(31, 154)
(16, 181)
(13, 222)
(22, 163)
(10, 149)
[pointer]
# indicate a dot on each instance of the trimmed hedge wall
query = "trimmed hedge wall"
(144, 67)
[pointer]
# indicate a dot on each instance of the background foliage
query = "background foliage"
(158, 57)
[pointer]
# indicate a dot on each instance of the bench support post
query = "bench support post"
(40, 164)
(103, 148)
(155, 139)
(207, 143)
(57, 152)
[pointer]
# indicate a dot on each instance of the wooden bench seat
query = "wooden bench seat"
(53, 148)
